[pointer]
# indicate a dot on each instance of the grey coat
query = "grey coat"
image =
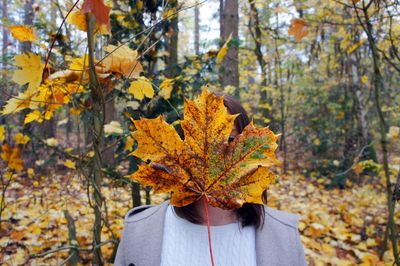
(277, 244)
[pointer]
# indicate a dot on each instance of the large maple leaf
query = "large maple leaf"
(228, 174)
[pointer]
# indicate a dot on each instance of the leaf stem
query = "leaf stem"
(208, 229)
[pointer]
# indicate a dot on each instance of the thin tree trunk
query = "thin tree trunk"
(229, 71)
(28, 20)
(257, 35)
(196, 29)
(378, 88)
(97, 123)
(5, 45)
(172, 42)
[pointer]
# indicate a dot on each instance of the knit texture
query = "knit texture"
(185, 243)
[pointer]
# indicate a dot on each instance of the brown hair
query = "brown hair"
(249, 213)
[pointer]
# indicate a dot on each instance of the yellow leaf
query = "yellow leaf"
(166, 88)
(205, 163)
(298, 29)
(140, 88)
(170, 14)
(70, 164)
(75, 111)
(30, 72)
(2, 132)
(11, 155)
(365, 80)
(355, 46)
(224, 50)
(19, 102)
(30, 172)
(78, 19)
(129, 143)
(35, 115)
(23, 33)
(393, 133)
(21, 139)
(123, 60)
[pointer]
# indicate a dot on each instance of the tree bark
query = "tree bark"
(229, 19)
(4, 80)
(379, 87)
(257, 35)
(172, 44)
(97, 124)
(28, 20)
(197, 29)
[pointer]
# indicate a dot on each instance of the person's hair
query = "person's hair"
(249, 213)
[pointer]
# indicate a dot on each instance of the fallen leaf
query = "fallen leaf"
(69, 164)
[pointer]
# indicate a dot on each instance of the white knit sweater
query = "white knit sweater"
(185, 243)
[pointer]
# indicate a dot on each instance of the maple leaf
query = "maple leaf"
(140, 88)
(298, 29)
(166, 88)
(30, 72)
(23, 33)
(11, 156)
(100, 11)
(205, 163)
(78, 19)
(123, 60)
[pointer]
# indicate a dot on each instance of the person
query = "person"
(251, 235)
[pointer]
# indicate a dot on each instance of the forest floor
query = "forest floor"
(338, 227)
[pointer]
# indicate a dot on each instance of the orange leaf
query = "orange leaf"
(205, 163)
(298, 29)
(99, 9)
(11, 156)
(23, 33)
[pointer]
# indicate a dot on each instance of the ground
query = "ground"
(338, 227)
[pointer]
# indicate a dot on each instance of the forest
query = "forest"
(77, 75)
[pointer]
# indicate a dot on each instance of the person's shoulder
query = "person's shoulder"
(281, 217)
(143, 212)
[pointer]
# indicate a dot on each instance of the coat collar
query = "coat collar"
(153, 219)
(146, 226)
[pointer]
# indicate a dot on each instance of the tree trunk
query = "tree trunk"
(257, 35)
(4, 81)
(5, 45)
(97, 124)
(229, 71)
(360, 103)
(28, 20)
(172, 44)
(197, 29)
(108, 155)
(379, 87)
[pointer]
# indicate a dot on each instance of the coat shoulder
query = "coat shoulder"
(282, 217)
(141, 212)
